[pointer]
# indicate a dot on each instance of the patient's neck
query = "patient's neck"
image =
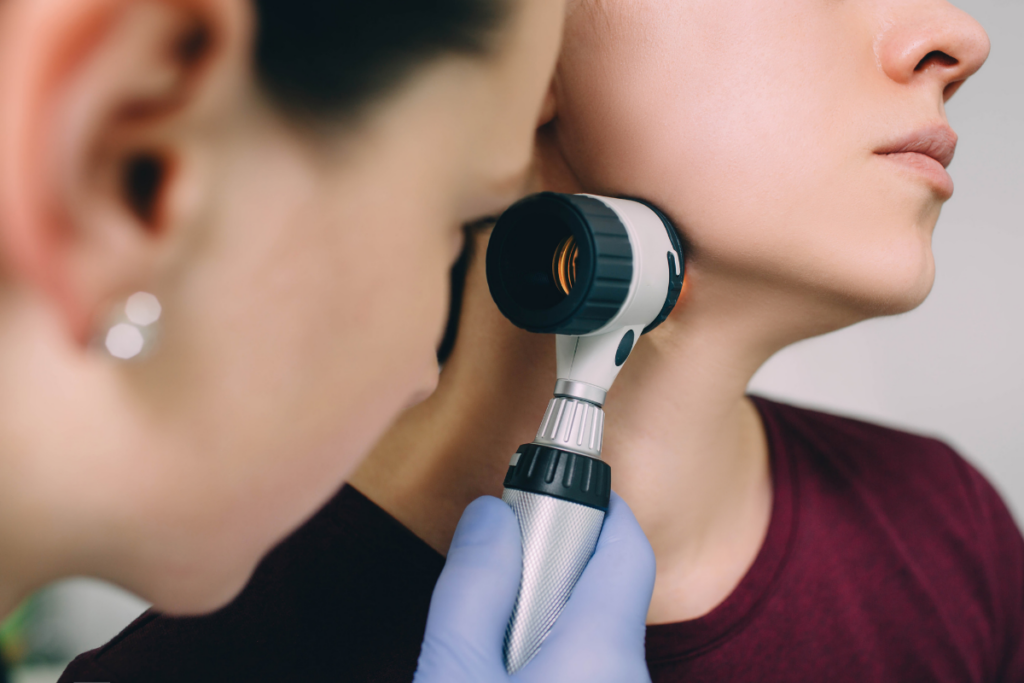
(688, 454)
(685, 445)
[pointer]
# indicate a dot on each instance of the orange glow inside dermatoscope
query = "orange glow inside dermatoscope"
(563, 264)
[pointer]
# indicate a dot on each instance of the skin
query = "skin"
(302, 271)
(758, 128)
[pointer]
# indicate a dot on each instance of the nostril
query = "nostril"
(937, 58)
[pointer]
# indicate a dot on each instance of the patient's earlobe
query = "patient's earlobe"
(551, 170)
(548, 107)
(105, 102)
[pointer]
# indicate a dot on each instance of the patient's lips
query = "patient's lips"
(927, 151)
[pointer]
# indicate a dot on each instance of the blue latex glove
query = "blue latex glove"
(599, 638)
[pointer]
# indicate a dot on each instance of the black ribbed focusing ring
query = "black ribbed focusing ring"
(562, 474)
(613, 271)
(519, 263)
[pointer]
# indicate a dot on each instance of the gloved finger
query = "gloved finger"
(473, 598)
(600, 633)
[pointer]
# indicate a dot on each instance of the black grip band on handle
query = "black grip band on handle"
(562, 474)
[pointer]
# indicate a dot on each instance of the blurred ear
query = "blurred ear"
(104, 107)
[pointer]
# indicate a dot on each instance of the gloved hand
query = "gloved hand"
(598, 638)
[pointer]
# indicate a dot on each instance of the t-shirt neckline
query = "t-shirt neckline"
(687, 639)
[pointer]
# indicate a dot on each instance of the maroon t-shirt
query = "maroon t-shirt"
(887, 558)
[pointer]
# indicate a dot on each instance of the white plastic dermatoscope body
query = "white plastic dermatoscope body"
(590, 358)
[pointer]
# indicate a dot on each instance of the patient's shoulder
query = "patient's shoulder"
(914, 496)
(891, 463)
(916, 486)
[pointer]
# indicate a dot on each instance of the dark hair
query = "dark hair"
(327, 57)
(331, 57)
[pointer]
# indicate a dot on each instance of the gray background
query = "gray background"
(953, 368)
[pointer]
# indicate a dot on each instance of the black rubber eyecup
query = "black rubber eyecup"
(519, 259)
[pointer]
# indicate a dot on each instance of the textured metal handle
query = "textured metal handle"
(559, 538)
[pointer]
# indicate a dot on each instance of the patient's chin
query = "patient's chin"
(895, 286)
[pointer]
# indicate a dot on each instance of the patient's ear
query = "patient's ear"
(103, 108)
(548, 107)
(551, 170)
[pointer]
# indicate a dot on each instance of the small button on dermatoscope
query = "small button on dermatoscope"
(625, 347)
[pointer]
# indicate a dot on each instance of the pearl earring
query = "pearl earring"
(134, 331)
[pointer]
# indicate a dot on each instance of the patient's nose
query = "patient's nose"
(932, 41)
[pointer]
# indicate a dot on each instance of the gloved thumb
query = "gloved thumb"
(473, 598)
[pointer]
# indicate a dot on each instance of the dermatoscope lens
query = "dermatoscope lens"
(563, 264)
(559, 263)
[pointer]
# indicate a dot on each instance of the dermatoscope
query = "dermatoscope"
(597, 272)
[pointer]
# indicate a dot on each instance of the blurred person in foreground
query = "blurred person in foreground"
(799, 147)
(226, 229)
